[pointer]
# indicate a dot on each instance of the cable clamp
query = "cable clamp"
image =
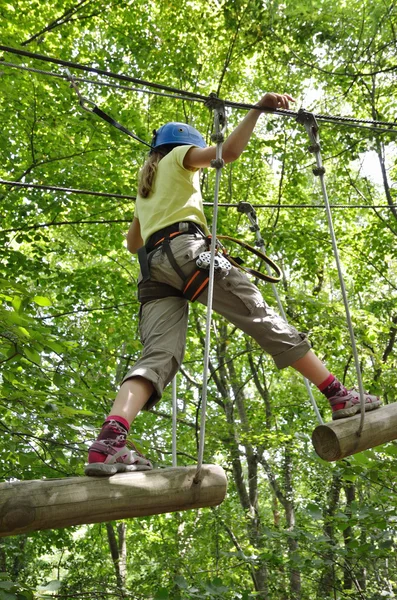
(214, 102)
(246, 208)
(218, 106)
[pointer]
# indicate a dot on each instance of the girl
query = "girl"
(169, 227)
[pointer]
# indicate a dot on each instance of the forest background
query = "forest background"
(292, 526)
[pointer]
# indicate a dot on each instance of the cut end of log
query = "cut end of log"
(325, 442)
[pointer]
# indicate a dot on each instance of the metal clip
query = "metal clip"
(84, 102)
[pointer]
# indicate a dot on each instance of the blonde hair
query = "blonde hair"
(148, 171)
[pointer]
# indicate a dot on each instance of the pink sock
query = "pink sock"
(107, 433)
(332, 387)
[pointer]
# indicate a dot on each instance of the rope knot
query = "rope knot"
(217, 163)
(218, 137)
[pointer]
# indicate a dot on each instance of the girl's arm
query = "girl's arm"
(134, 238)
(239, 138)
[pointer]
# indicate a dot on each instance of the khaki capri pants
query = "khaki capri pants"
(163, 323)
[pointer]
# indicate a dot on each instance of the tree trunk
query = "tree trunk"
(117, 558)
(293, 546)
(327, 581)
(348, 536)
(3, 557)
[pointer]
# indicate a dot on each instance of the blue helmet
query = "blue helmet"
(177, 134)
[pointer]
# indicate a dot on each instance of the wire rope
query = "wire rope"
(174, 420)
(55, 188)
(66, 190)
(371, 125)
(116, 86)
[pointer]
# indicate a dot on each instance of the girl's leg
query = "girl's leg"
(242, 304)
(131, 398)
(163, 330)
(312, 368)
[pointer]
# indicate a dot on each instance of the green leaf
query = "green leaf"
(42, 301)
(16, 303)
(7, 595)
(32, 355)
(181, 582)
(7, 585)
(161, 594)
(314, 511)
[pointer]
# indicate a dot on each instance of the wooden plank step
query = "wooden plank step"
(338, 439)
(52, 503)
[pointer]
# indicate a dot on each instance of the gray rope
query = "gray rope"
(54, 188)
(311, 126)
(218, 164)
(116, 86)
(260, 242)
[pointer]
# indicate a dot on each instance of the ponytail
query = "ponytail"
(147, 174)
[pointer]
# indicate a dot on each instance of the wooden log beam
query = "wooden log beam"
(338, 439)
(52, 503)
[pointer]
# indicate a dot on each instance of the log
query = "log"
(338, 439)
(53, 503)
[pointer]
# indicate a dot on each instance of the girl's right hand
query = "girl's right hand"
(273, 100)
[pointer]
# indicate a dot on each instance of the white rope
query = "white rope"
(218, 163)
(174, 415)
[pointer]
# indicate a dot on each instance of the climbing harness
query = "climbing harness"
(197, 281)
(308, 120)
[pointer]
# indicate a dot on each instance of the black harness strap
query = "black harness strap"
(193, 284)
(165, 247)
(144, 264)
(98, 111)
(155, 290)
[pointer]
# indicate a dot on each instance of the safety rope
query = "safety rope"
(174, 421)
(371, 125)
(308, 120)
(247, 209)
(217, 163)
(91, 107)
